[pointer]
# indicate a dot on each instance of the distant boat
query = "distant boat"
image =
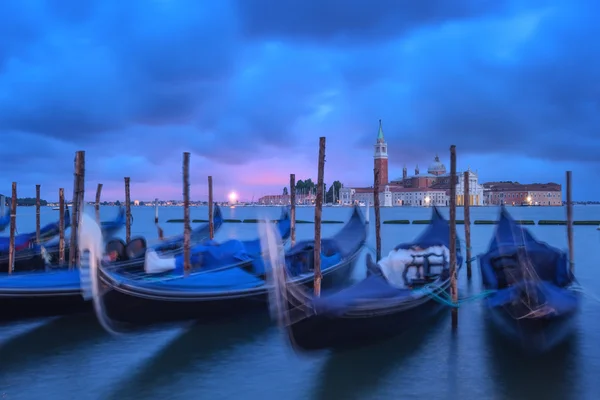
(56, 208)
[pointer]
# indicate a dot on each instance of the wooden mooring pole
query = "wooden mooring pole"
(78, 196)
(211, 222)
(467, 221)
(293, 208)
(187, 229)
(318, 217)
(377, 212)
(61, 226)
(158, 228)
(570, 221)
(37, 213)
(127, 210)
(453, 286)
(13, 227)
(97, 205)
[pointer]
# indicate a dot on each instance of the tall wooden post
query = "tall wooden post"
(61, 226)
(158, 228)
(377, 212)
(78, 196)
(187, 229)
(318, 213)
(37, 213)
(293, 208)
(97, 205)
(156, 211)
(13, 227)
(127, 210)
(453, 287)
(467, 220)
(570, 221)
(211, 222)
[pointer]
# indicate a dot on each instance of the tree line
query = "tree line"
(308, 186)
(25, 201)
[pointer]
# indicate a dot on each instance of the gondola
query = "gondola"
(30, 254)
(33, 256)
(57, 290)
(4, 220)
(110, 228)
(214, 290)
(386, 303)
(535, 298)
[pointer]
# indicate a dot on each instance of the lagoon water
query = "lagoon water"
(249, 358)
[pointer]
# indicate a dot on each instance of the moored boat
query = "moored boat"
(57, 290)
(4, 219)
(29, 254)
(535, 298)
(386, 303)
(110, 228)
(223, 282)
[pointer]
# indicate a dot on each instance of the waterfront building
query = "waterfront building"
(517, 194)
(432, 188)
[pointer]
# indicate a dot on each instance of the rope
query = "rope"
(444, 297)
(582, 290)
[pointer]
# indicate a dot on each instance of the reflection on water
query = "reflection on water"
(356, 374)
(248, 359)
(554, 375)
(55, 336)
(196, 349)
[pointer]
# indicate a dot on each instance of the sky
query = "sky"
(248, 87)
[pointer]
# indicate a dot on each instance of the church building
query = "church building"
(432, 188)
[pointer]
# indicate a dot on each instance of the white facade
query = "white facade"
(349, 196)
(476, 194)
(380, 145)
(420, 197)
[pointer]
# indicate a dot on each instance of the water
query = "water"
(248, 358)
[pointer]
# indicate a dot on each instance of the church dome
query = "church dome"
(436, 167)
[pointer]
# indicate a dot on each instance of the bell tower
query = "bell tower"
(381, 157)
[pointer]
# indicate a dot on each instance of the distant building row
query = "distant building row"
(284, 199)
(516, 194)
(433, 188)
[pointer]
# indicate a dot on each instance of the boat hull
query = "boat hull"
(533, 335)
(16, 306)
(127, 305)
(339, 333)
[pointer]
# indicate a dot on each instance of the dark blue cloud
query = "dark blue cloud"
(349, 22)
(241, 83)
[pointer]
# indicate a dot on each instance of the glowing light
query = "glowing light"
(232, 197)
(427, 199)
(529, 199)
